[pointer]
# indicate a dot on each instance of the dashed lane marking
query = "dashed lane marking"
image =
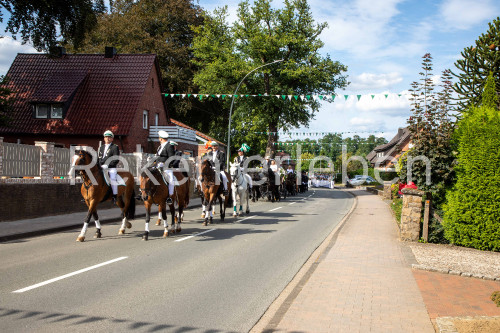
(188, 237)
(274, 209)
(68, 275)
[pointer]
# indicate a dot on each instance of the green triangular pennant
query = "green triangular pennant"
(358, 96)
(333, 97)
(373, 96)
(308, 97)
(223, 96)
(346, 97)
(386, 95)
(283, 96)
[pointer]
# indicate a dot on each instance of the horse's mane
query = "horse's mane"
(89, 155)
(154, 171)
(207, 173)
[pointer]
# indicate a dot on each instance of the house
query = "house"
(201, 138)
(72, 99)
(384, 156)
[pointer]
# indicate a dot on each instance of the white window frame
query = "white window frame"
(145, 119)
(157, 119)
(50, 111)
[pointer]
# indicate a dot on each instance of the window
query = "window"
(42, 110)
(49, 111)
(145, 119)
(157, 119)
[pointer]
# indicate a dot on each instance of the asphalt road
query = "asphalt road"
(221, 280)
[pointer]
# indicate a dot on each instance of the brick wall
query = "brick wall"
(24, 201)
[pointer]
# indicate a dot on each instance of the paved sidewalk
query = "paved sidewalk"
(43, 225)
(363, 283)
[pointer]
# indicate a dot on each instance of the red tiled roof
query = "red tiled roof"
(203, 135)
(107, 91)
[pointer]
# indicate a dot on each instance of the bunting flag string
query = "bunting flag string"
(288, 144)
(306, 98)
(283, 133)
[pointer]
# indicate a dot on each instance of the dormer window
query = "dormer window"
(49, 111)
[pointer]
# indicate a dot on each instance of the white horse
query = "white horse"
(239, 186)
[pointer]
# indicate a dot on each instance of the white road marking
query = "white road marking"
(291, 203)
(68, 275)
(274, 209)
(188, 237)
(246, 218)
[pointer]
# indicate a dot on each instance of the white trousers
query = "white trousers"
(112, 178)
(169, 174)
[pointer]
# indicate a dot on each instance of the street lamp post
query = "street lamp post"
(231, 109)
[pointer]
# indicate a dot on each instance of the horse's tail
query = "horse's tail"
(131, 206)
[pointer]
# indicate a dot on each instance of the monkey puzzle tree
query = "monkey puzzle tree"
(476, 63)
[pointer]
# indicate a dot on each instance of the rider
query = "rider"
(290, 169)
(218, 156)
(241, 158)
(105, 152)
(164, 152)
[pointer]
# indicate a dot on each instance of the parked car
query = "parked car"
(360, 180)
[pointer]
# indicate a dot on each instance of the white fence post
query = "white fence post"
(46, 159)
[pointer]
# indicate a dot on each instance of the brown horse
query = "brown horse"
(212, 191)
(95, 192)
(152, 193)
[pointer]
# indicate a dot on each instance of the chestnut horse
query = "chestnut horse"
(212, 191)
(94, 193)
(158, 194)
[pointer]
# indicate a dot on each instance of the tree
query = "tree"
(472, 211)
(262, 34)
(41, 22)
(431, 131)
(476, 63)
(5, 101)
(163, 28)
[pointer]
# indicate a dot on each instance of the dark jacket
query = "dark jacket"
(112, 151)
(221, 157)
(165, 153)
(240, 159)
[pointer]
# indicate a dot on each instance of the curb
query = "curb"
(278, 308)
(65, 228)
(452, 272)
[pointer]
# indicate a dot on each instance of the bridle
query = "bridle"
(149, 192)
(238, 175)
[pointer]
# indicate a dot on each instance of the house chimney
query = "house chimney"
(109, 52)
(57, 52)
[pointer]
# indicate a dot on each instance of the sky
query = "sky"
(382, 43)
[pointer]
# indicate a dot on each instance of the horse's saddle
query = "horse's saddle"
(176, 182)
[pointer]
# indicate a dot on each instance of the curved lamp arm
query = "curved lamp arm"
(231, 109)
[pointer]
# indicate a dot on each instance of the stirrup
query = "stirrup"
(169, 201)
(113, 198)
(225, 192)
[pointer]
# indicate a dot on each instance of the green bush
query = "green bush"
(472, 211)
(495, 297)
(397, 207)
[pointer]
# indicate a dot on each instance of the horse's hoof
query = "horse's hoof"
(204, 223)
(234, 214)
(210, 221)
(247, 211)
(128, 225)
(98, 234)
(121, 232)
(178, 230)
(158, 222)
(165, 234)
(80, 239)
(145, 236)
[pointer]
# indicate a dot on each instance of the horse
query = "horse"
(100, 191)
(256, 178)
(269, 188)
(212, 191)
(290, 179)
(158, 194)
(239, 188)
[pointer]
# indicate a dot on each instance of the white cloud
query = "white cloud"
(374, 82)
(9, 48)
(463, 14)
